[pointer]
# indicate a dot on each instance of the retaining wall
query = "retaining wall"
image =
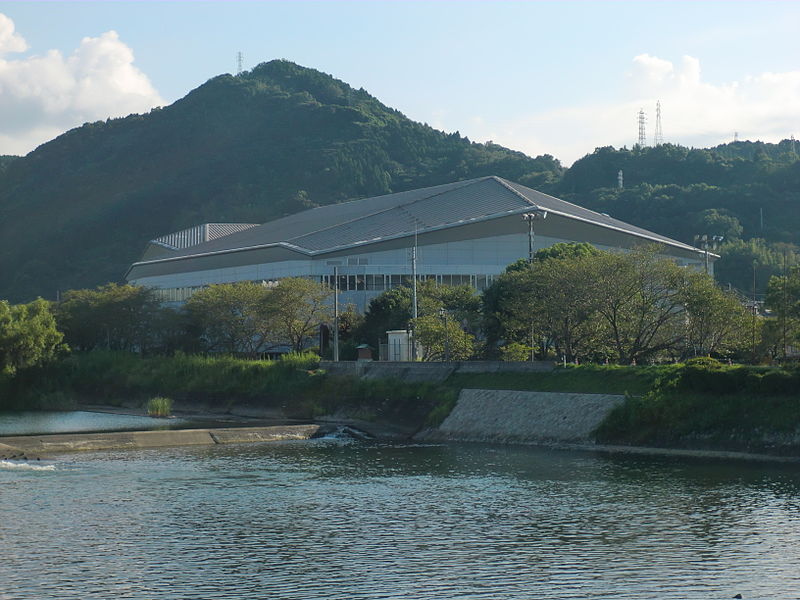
(508, 416)
(429, 371)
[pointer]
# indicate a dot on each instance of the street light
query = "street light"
(530, 217)
(708, 242)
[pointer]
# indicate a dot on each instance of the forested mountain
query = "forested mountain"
(748, 192)
(79, 209)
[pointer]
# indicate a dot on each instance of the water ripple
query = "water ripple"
(323, 520)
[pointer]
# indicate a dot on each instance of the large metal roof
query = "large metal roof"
(350, 224)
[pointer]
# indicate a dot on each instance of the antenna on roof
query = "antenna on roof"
(658, 136)
(239, 61)
(642, 135)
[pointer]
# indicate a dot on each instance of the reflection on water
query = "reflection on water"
(330, 519)
(77, 421)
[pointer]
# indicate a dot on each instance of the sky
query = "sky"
(559, 78)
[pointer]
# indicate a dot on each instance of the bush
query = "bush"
(159, 407)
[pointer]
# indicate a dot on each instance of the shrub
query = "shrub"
(159, 406)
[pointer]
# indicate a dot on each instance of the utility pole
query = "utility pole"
(335, 314)
(755, 309)
(414, 313)
(784, 302)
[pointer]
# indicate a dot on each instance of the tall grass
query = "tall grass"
(104, 376)
(159, 406)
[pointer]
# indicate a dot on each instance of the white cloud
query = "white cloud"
(10, 41)
(42, 96)
(694, 112)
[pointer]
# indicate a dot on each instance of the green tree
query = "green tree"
(640, 298)
(115, 317)
(442, 341)
(544, 304)
(299, 306)
(566, 250)
(390, 310)
(234, 317)
(393, 309)
(716, 321)
(28, 335)
(783, 300)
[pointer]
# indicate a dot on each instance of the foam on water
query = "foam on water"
(24, 466)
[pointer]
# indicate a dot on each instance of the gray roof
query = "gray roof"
(350, 224)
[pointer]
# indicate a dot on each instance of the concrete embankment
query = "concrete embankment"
(44, 445)
(435, 372)
(509, 416)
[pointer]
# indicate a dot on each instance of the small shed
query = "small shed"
(364, 353)
(398, 347)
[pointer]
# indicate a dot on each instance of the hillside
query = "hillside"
(79, 209)
(749, 192)
(76, 211)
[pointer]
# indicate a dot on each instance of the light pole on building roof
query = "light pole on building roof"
(530, 217)
(707, 242)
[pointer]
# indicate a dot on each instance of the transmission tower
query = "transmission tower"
(642, 133)
(239, 60)
(658, 136)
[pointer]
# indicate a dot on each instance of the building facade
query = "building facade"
(461, 233)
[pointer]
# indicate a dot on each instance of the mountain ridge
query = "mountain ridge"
(280, 138)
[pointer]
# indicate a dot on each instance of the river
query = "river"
(332, 519)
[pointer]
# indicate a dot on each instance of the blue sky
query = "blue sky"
(541, 77)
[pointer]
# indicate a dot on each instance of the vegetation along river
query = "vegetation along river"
(337, 519)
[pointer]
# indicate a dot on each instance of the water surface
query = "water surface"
(78, 421)
(329, 519)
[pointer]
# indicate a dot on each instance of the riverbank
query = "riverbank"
(701, 406)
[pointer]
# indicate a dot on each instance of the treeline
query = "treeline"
(573, 303)
(577, 303)
(747, 192)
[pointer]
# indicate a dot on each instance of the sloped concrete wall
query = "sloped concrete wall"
(429, 371)
(508, 416)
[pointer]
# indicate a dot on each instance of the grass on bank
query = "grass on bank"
(705, 403)
(159, 406)
(586, 379)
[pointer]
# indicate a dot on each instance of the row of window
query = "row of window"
(350, 283)
(380, 283)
